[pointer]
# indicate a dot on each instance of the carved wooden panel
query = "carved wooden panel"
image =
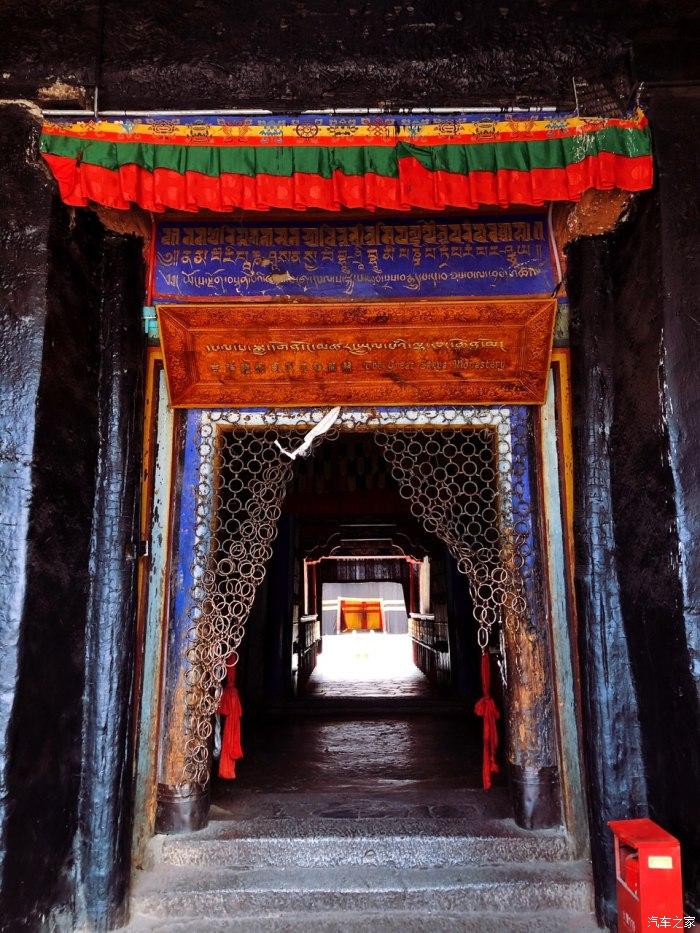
(482, 352)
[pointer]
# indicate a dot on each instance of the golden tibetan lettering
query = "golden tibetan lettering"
(483, 352)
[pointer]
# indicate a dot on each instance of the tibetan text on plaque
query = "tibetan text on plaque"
(488, 257)
(458, 352)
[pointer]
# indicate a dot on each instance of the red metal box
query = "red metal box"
(648, 870)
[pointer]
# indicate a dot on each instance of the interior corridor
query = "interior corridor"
(358, 673)
(358, 803)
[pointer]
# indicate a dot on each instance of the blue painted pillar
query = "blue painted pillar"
(181, 806)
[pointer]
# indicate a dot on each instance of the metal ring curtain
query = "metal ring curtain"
(463, 471)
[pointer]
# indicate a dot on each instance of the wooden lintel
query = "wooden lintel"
(483, 352)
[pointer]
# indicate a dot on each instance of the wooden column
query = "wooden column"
(530, 728)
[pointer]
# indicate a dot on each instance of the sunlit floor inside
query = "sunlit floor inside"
(367, 664)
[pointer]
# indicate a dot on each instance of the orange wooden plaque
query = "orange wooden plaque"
(377, 353)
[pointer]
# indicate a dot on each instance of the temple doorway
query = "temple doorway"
(430, 512)
(364, 713)
(359, 599)
(376, 765)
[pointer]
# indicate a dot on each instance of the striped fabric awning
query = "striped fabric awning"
(377, 161)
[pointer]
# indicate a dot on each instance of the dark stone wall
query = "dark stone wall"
(70, 419)
(48, 427)
(45, 750)
(106, 791)
(649, 529)
(616, 786)
(673, 683)
(636, 391)
(25, 206)
(675, 115)
(297, 54)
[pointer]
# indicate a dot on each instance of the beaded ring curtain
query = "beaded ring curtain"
(463, 473)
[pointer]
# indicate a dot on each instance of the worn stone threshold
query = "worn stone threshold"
(192, 892)
(399, 921)
(385, 802)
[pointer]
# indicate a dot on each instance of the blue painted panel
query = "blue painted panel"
(562, 649)
(146, 762)
(490, 257)
(524, 499)
(180, 593)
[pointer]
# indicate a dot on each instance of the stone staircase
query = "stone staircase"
(371, 875)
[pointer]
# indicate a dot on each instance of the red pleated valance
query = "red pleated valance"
(333, 163)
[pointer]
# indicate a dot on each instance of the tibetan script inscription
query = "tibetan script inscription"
(487, 257)
(378, 353)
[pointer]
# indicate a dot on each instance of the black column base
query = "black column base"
(535, 796)
(181, 809)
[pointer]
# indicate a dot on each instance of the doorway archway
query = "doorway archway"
(435, 455)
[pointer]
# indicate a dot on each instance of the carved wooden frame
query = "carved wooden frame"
(476, 352)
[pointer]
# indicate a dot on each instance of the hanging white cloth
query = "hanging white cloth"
(324, 425)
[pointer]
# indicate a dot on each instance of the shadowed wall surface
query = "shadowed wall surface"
(312, 53)
(106, 791)
(669, 662)
(635, 412)
(45, 751)
(49, 437)
(72, 362)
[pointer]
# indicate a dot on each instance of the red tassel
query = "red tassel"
(486, 707)
(230, 707)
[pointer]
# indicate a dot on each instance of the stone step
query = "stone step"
(191, 893)
(399, 921)
(328, 843)
(382, 800)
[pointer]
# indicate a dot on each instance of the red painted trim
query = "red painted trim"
(151, 270)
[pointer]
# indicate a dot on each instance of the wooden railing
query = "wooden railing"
(431, 646)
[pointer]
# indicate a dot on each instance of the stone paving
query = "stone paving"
(362, 824)
(399, 921)
(356, 757)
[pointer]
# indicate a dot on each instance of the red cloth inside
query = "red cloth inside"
(230, 707)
